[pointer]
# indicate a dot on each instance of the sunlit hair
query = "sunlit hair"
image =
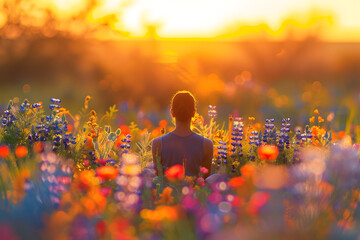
(183, 105)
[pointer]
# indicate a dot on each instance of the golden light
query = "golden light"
(224, 19)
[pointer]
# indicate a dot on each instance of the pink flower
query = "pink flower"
(204, 170)
(86, 163)
(201, 181)
(101, 161)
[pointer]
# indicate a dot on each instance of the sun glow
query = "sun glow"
(227, 18)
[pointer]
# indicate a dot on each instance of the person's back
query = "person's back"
(184, 150)
(183, 146)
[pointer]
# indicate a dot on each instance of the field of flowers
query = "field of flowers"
(75, 176)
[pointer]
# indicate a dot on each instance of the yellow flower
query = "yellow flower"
(160, 213)
(62, 111)
(236, 163)
(316, 112)
(321, 119)
(312, 119)
(251, 119)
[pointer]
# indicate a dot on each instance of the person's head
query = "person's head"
(183, 106)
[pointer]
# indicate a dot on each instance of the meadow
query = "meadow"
(66, 175)
(86, 86)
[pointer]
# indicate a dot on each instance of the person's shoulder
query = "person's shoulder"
(156, 141)
(208, 142)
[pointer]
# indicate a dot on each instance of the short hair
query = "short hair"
(183, 104)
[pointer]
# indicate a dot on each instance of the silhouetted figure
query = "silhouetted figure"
(183, 146)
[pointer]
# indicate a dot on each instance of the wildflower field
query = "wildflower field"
(77, 175)
(85, 89)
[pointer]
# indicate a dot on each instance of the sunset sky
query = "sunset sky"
(210, 18)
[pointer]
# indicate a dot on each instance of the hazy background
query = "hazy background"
(262, 59)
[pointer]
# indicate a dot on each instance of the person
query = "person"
(182, 145)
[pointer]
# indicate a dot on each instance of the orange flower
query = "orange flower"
(107, 172)
(38, 147)
(175, 173)
(85, 180)
(312, 119)
(125, 130)
(70, 127)
(163, 123)
(341, 135)
(165, 196)
(21, 151)
(236, 182)
(268, 152)
(257, 125)
(321, 119)
(251, 118)
(4, 151)
(316, 112)
(247, 170)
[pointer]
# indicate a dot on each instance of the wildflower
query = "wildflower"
(100, 228)
(201, 181)
(165, 196)
(236, 182)
(21, 151)
(321, 120)
(70, 128)
(163, 123)
(257, 200)
(251, 119)
(131, 170)
(107, 172)
(316, 112)
(197, 120)
(101, 161)
(236, 163)
(38, 147)
(212, 112)
(204, 170)
(312, 119)
(85, 180)
(160, 213)
(4, 151)
(124, 129)
(175, 173)
(268, 152)
(247, 170)
(86, 102)
(54, 100)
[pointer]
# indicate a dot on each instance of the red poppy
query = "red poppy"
(236, 182)
(268, 152)
(21, 151)
(175, 173)
(4, 151)
(107, 172)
